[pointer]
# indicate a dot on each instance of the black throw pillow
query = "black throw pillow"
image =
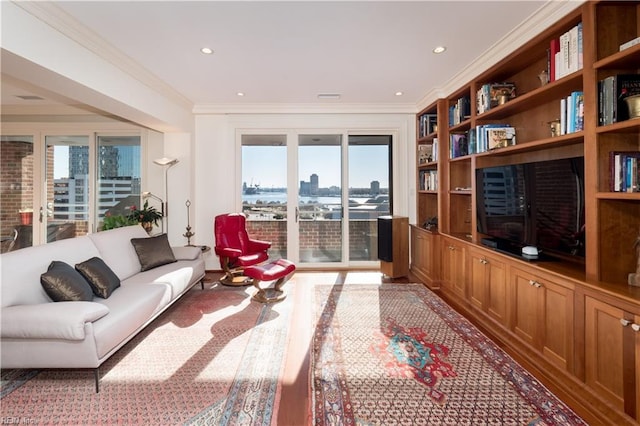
(153, 251)
(64, 284)
(100, 277)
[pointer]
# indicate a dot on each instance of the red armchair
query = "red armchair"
(235, 249)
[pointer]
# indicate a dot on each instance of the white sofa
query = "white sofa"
(36, 332)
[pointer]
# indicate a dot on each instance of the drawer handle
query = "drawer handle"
(624, 322)
(536, 284)
(635, 327)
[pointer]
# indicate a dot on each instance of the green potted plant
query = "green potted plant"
(110, 221)
(147, 216)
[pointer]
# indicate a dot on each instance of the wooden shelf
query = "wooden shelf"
(611, 219)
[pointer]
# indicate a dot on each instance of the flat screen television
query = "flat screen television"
(534, 204)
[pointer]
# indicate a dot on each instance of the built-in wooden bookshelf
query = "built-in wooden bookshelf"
(586, 337)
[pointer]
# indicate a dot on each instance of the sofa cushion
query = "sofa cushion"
(64, 284)
(21, 284)
(64, 320)
(100, 277)
(130, 308)
(153, 251)
(116, 250)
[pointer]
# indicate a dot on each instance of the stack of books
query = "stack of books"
(624, 173)
(612, 92)
(427, 125)
(565, 54)
(572, 113)
(460, 111)
(491, 136)
(428, 180)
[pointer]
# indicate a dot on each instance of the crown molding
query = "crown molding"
(547, 15)
(310, 108)
(52, 15)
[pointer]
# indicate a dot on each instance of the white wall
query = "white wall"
(216, 187)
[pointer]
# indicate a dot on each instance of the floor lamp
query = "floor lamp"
(166, 163)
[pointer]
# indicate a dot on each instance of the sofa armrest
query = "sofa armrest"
(186, 252)
(55, 320)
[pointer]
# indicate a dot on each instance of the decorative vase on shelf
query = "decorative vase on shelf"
(633, 103)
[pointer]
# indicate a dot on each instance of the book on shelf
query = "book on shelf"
(572, 113)
(630, 43)
(491, 136)
(623, 171)
(500, 137)
(427, 124)
(434, 149)
(565, 53)
(425, 153)
(459, 144)
(428, 180)
(612, 92)
(491, 95)
(459, 111)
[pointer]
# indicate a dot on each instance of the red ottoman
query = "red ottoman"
(280, 270)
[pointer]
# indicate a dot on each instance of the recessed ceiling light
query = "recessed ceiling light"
(240, 93)
(206, 50)
(399, 93)
(439, 49)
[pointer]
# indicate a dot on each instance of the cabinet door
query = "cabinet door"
(527, 308)
(478, 280)
(604, 343)
(558, 338)
(418, 253)
(497, 301)
(488, 285)
(543, 316)
(453, 267)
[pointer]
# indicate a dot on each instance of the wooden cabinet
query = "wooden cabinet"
(612, 354)
(454, 267)
(424, 261)
(543, 315)
(604, 344)
(488, 291)
(540, 309)
(616, 222)
(393, 245)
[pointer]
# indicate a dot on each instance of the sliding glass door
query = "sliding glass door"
(316, 196)
(319, 211)
(67, 183)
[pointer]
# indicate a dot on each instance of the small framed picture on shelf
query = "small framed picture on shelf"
(425, 154)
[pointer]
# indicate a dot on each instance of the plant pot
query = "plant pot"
(148, 226)
(26, 218)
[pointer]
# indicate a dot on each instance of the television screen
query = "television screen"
(539, 204)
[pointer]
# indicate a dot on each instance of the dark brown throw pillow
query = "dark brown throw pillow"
(100, 277)
(64, 284)
(153, 251)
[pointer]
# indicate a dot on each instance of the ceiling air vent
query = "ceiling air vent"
(329, 96)
(30, 98)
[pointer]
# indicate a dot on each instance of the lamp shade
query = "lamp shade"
(165, 161)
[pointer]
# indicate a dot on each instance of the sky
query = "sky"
(266, 165)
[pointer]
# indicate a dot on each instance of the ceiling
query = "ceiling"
(289, 52)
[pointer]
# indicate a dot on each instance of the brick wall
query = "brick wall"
(322, 235)
(16, 183)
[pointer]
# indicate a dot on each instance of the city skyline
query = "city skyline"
(266, 166)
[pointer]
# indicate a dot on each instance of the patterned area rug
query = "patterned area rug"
(214, 359)
(397, 354)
